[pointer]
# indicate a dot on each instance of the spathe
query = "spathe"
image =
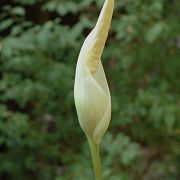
(91, 91)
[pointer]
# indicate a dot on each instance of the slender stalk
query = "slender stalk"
(95, 159)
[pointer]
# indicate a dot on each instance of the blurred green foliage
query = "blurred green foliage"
(40, 137)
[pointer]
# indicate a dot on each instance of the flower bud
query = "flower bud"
(91, 91)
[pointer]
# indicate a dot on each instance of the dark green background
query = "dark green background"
(40, 137)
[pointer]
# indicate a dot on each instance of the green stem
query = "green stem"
(95, 159)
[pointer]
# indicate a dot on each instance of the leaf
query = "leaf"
(154, 32)
(5, 24)
(18, 11)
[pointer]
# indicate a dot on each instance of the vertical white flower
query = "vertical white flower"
(91, 91)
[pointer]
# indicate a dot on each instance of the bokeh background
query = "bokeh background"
(40, 137)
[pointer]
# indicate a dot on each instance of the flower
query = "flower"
(91, 91)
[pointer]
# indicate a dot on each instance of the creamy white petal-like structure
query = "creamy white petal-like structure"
(91, 91)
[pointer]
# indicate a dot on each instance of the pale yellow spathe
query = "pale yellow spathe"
(91, 91)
